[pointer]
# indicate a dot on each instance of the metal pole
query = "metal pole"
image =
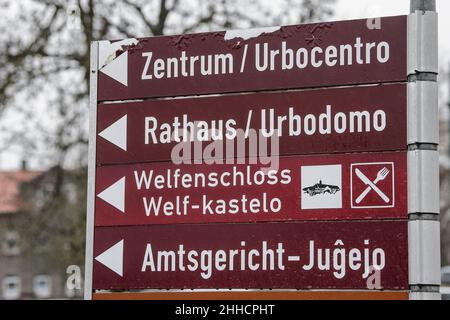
(423, 156)
(91, 173)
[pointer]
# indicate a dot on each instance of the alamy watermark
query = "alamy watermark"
(211, 147)
(74, 278)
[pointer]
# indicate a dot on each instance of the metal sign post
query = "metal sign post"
(423, 156)
(91, 172)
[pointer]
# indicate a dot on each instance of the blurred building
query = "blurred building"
(20, 278)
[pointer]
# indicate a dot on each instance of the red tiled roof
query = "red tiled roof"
(10, 201)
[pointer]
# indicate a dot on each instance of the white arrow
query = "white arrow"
(117, 133)
(118, 69)
(113, 258)
(115, 195)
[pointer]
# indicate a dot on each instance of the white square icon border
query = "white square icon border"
(334, 172)
(372, 164)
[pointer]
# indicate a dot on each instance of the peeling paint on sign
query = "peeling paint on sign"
(287, 57)
(108, 50)
(249, 33)
(113, 59)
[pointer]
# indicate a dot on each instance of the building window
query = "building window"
(10, 243)
(42, 286)
(11, 287)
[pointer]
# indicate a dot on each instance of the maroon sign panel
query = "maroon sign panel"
(299, 56)
(319, 255)
(358, 119)
(339, 187)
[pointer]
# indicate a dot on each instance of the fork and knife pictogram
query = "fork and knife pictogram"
(372, 185)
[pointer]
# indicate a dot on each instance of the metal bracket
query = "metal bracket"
(423, 5)
(426, 296)
(423, 42)
(423, 113)
(423, 182)
(424, 254)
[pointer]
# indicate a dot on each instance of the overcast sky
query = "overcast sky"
(351, 9)
(345, 9)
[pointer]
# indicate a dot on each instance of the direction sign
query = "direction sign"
(323, 187)
(272, 158)
(358, 119)
(319, 255)
(299, 56)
